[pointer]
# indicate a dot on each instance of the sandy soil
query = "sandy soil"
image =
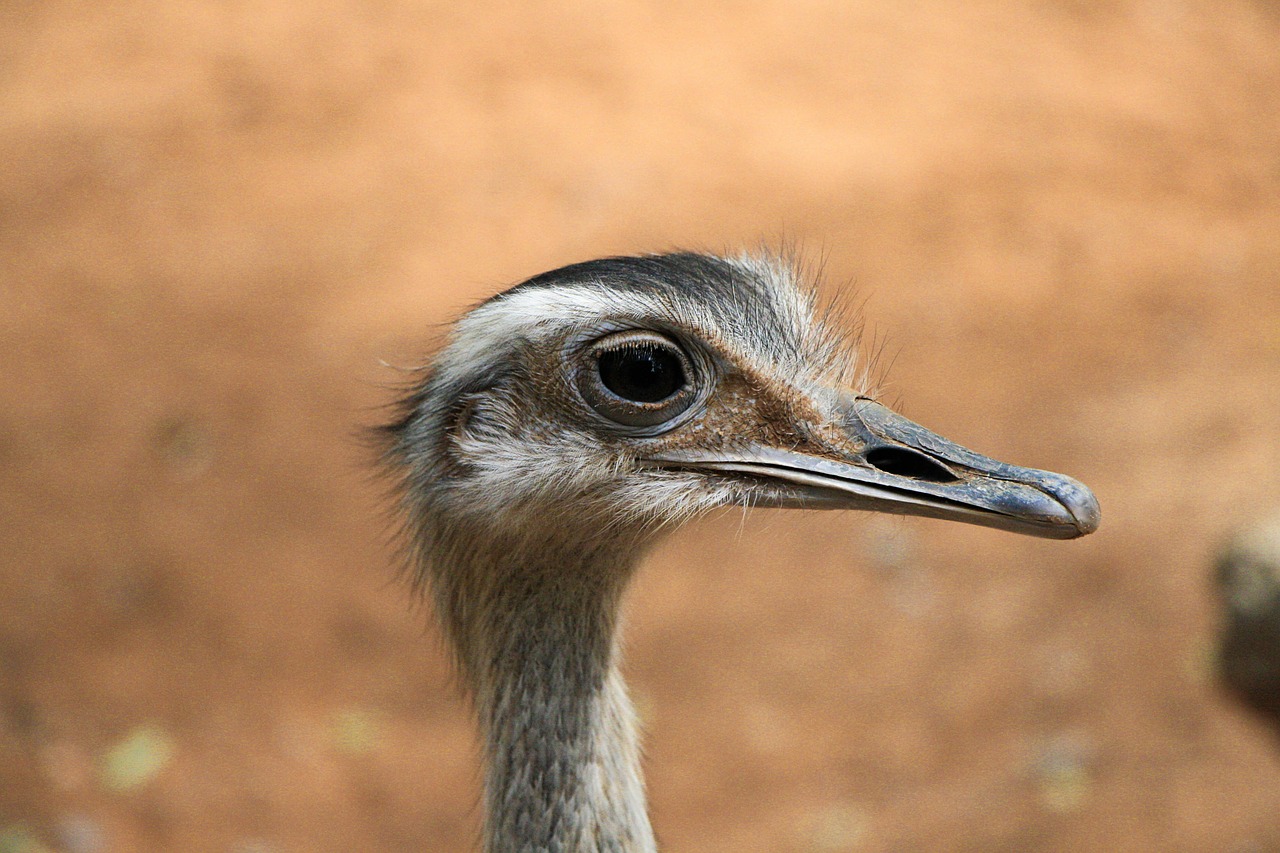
(217, 220)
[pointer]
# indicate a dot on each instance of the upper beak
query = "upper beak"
(891, 464)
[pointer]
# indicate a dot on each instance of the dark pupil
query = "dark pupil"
(641, 373)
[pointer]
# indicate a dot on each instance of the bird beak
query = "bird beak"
(888, 463)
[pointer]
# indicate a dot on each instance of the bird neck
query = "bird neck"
(536, 635)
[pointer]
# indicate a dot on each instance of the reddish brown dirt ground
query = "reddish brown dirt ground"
(217, 219)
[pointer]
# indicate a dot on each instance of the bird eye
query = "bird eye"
(637, 379)
(641, 372)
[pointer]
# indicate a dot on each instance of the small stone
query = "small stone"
(888, 544)
(17, 838)
(840, 827)
(356, 731)
(1063, 774)
(184, 445)
(136, 759)
(80, 834)
(253, 845)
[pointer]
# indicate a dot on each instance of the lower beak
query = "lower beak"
(901, 467)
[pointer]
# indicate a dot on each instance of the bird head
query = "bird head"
(629, 394)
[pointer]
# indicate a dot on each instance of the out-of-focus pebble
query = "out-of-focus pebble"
(184, 445)
(17, 838)
(253, 845)
(1063, 773)
(80, 834)
(888, 543)
(891, 547)
(356, 731)
(841, 827)
(136, 759)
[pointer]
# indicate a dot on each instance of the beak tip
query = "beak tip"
(1080, 503)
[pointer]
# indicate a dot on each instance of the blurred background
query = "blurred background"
(219, 219)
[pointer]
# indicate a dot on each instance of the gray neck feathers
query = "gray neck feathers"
(534, 626)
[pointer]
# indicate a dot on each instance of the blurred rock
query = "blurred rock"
(137, 758)
(1248, 580)
(80, 834)
(252, 846)
(838, 827)
(1063, 772)
(19, 839)
(185, 445)
(893, 549)
(356, 731)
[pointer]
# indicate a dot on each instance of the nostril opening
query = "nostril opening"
(909, 463)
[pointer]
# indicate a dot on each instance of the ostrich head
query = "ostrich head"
(569, 420)
(610, 399)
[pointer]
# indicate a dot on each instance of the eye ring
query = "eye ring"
(638, 379)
